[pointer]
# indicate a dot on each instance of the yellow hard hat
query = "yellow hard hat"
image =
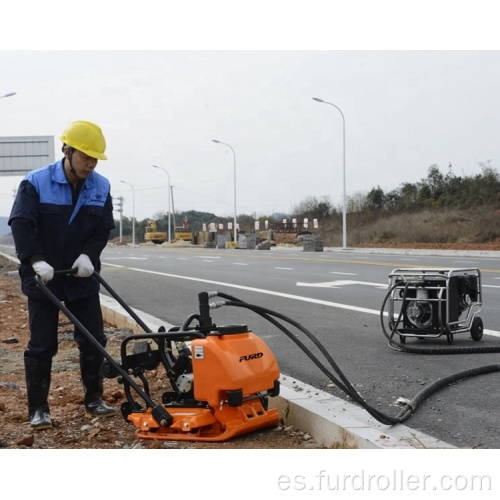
(87, 137)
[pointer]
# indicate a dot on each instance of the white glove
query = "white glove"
(84, 267)
(44, 270)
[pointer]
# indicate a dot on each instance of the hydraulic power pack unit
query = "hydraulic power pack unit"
(429, 303)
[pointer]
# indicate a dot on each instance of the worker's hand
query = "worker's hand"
(84, 267)
(44, 270)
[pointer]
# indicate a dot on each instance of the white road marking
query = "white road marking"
(339, 283)
(125, 257)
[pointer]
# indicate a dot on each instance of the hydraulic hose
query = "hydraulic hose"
(297, 341)
(438, 384)
(486, 349)
(392, 344)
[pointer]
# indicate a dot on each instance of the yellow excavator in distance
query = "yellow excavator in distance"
(152, 234)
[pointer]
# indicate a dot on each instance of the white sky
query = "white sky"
(417, 87)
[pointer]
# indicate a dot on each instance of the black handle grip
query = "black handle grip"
(73, 270)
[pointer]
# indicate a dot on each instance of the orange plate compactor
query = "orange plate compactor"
(221, 391)
(220, 378)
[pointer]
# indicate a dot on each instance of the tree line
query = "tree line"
(436, 191)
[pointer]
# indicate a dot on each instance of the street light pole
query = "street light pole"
(234, 157)
(133, 212)
(173, 206)
(169, 204)
(344, 202)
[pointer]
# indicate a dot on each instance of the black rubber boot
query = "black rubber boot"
(37, 386)
(92, 379)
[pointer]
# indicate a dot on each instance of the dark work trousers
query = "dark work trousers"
(44, 320)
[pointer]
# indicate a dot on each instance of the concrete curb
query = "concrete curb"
(336, 423)
(331, 421)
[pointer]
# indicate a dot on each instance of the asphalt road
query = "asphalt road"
(337, 297)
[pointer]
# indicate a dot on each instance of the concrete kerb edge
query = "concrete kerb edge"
(331, 421)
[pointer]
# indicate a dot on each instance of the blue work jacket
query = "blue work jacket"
(49, 224)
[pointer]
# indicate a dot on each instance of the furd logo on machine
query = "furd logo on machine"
(248, 357)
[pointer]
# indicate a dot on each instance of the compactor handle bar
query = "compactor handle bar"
(67, 271)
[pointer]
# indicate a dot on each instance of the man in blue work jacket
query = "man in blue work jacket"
(61, 220)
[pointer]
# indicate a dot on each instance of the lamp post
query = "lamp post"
(173, 206)
(133, 212)
(169, 204)
(344, 203)
(234, 157)
(7, 95)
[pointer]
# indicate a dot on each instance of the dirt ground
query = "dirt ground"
(72, 430)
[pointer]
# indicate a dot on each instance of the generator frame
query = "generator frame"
(438, 290)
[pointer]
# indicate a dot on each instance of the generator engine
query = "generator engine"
(427, 303)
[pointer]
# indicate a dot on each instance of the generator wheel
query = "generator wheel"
(476, 330)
